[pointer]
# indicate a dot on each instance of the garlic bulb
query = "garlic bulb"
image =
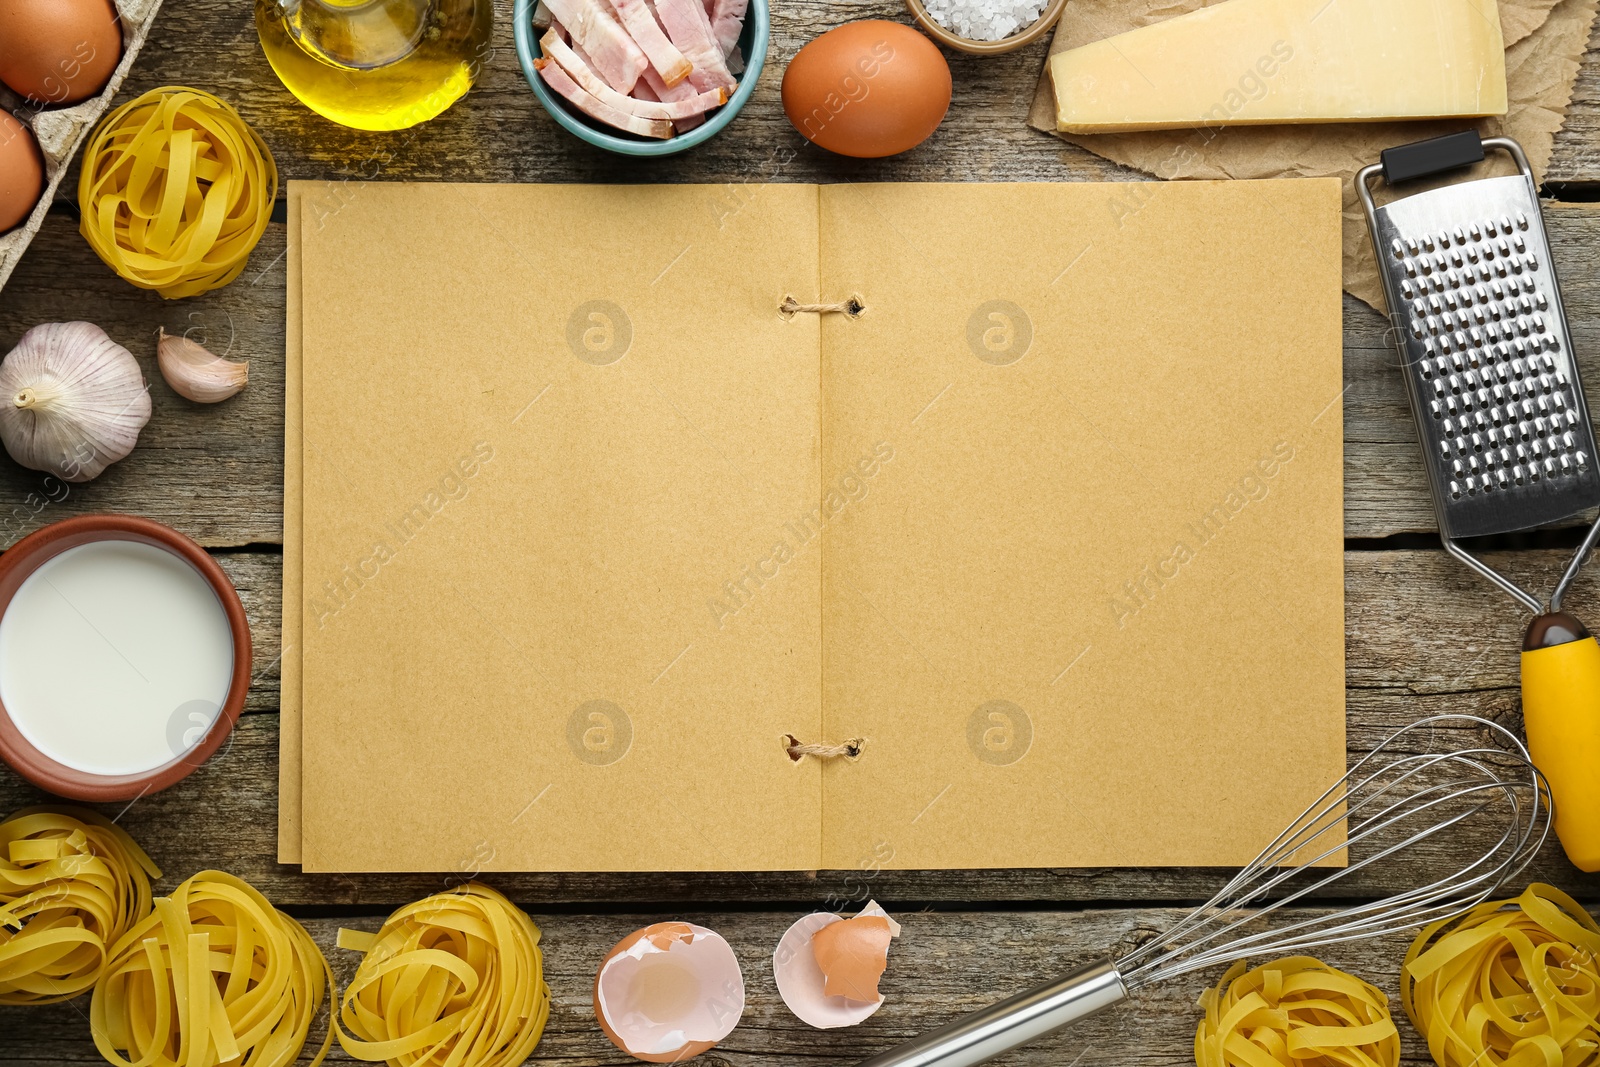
(72, 400)
(195, 373)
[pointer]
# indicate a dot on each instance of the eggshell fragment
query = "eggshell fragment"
(669, 992)
(853, 955)
(827, 967)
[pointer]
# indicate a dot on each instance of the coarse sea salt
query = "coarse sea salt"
(985, 20)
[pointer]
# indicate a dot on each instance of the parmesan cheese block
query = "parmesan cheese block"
(1250, 62)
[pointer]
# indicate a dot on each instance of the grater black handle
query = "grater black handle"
(1419, 159)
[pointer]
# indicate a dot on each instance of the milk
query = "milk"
(115, 658)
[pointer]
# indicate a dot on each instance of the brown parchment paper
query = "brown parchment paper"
(1544, 41)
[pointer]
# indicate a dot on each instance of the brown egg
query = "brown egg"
(870, 88)
(21, 172)
(58, 51)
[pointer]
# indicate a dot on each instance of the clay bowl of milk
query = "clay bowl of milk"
(124, 657)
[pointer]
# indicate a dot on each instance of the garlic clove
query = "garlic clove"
(196, 374)
(72, 400)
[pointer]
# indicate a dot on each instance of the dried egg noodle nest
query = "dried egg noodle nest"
(455, 980)
(1295, 1011)
(176, 190)
(216, 975)
(71, 884)
(1512, 983)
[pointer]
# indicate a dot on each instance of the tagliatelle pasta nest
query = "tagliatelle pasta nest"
(216, 975)
(71, 884)
(176, 191)
(1512, 983)
(455, 980)
(1298, 1012)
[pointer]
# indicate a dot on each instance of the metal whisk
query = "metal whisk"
(1388, 803)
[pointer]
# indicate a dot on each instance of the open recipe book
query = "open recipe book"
(584, 530)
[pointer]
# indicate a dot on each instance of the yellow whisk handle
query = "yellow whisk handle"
(1561, 711)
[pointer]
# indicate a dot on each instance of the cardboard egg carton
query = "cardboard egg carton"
(60, 131)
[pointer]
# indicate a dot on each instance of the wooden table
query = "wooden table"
(1423, 635)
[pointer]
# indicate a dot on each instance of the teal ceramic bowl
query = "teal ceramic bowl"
(752, 44)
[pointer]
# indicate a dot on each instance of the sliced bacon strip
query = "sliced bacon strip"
(615, 55)
(705, 12)
(577, 49)
(689, 27)
(558, 80)
(727, 22)
(659, 90)
(641, 23)
(695, 104)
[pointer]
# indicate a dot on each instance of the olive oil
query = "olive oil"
(376, 64)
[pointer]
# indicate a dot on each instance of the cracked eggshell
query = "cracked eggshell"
(856, 954)
(669, 992)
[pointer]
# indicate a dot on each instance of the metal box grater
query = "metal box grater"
(1485, 349)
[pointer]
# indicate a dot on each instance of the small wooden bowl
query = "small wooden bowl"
(1040, 27)
(33, 551)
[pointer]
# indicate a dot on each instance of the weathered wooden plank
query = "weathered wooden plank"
(1576, 158)
(215, 472)
(944, 964)
(212, 471)
(1425, 637)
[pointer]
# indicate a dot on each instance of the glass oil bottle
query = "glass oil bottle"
(376, 64)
